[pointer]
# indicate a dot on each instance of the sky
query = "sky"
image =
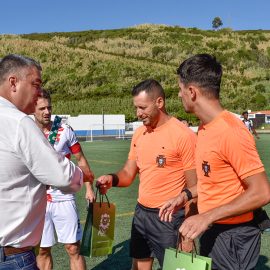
(37, 16)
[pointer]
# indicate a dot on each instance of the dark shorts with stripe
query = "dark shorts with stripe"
(232, 247)
(150, 236)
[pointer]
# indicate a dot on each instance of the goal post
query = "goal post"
(105, 132)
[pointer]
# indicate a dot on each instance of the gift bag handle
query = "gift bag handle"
(101, 197)
(179, 243)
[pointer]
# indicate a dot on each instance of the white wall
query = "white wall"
(95, 121)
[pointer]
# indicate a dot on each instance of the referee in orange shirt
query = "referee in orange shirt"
(231, 178)
(162, 153)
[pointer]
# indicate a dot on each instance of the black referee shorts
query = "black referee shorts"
(232, 246)
(150, 236)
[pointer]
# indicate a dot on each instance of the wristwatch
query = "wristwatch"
(189, 194)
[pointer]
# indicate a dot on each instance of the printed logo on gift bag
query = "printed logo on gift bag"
(104, 224)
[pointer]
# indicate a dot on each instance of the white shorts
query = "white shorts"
(61, 219)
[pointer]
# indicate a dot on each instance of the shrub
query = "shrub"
(260, 88)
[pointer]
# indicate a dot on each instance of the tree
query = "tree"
(216, 23)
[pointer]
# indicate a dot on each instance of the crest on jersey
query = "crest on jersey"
(161, 161)
(206, 168)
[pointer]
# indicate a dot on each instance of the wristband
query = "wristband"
(189, 194)
(115, 179)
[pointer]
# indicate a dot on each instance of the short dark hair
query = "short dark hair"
(45, 94)
(204, 70)
(15, 63)
(245, 112)
(151, 87)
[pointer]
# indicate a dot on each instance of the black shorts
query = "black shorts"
(150, 236)
(232, 247)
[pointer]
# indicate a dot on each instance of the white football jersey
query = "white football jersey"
(248, 123)
(66, 143)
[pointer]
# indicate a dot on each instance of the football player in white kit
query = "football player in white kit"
(249, 124)
(62, 216)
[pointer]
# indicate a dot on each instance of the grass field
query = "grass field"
(109, 156)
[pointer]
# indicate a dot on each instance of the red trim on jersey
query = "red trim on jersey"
(49, 197)
(75, 148)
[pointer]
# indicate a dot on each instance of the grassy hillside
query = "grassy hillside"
(92, 71)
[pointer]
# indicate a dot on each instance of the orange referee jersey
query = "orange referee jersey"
(225, 155)
(162, 156)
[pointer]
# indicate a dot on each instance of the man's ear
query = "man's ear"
(193, 91)
(13, 82)
(160, 102)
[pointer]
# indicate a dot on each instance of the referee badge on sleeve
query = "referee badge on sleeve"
(161, 161)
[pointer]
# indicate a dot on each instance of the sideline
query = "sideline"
(103, 161)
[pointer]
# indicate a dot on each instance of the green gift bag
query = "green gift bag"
(103, 229)
(98, 234)
(181, 260)
(175, 259)
(85, 247)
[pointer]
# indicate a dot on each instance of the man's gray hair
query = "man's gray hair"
(15, 63)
